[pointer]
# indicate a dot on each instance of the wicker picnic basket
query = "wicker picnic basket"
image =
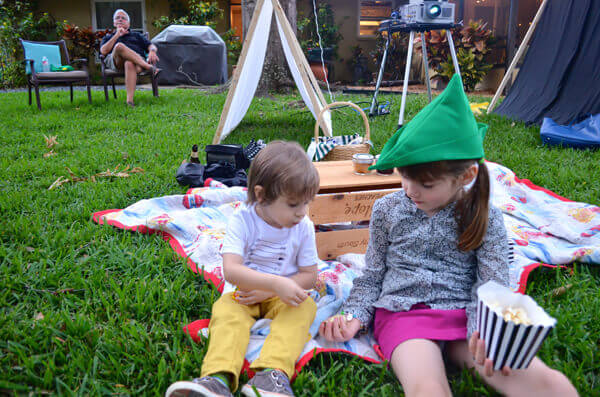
(345, 152)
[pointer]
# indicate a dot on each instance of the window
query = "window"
(102, 13)
(371, 14)
(235, 18)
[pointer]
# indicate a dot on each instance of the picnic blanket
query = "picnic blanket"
(544, 229)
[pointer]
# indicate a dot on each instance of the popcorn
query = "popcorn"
(517, 315)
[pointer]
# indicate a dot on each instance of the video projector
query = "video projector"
(425, 12)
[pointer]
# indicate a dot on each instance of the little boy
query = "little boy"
(269, 254)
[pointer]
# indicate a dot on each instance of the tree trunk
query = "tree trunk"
(275, 74)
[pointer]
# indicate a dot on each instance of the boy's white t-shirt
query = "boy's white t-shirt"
(268, 249)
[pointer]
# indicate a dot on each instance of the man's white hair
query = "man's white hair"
(124, 12)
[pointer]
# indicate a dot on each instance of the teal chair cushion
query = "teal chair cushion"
(37, 51)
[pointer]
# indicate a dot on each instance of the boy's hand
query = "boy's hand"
(289, 291)
(337, 329)
(477, 349)
(252, 297)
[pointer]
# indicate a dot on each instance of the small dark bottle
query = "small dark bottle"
(194, 155)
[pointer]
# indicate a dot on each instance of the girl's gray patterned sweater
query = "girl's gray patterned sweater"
(413, 258)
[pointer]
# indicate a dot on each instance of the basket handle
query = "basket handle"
(352, 105)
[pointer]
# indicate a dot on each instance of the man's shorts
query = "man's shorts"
(109, 62)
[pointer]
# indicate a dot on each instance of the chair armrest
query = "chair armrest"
(30, 65)
(82, 60)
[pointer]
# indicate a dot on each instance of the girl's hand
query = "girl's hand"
(252, 297)
(337, 329)
(289, 291)
(477, 349)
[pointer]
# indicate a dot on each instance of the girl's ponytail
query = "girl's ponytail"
(472, 212)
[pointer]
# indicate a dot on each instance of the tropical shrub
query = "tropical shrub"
(234, 46)
(473, 45)
(84, 43)
(197, 12)
(358, 65)
(396, 56)
(19, 19)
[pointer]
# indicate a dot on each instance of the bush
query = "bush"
(473, 49)
(84, 43)
(358, 66)
(234, 46)
(18, 19)
(196, 13)
(396, 56)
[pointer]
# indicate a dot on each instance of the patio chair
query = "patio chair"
(34, 52)
(111, 74)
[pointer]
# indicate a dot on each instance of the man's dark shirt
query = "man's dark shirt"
(134, 40)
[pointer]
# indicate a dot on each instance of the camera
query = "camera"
(426, 12)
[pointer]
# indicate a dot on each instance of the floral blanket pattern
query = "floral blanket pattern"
(544, 228)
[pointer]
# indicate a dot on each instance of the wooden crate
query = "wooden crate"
(343, 207)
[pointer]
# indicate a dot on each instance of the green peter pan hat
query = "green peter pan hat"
(445, 129)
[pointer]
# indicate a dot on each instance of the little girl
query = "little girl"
(431, 245)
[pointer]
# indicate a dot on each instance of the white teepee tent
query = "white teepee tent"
(249, 67)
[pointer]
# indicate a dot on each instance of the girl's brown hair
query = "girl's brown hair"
(471, 208)
(283, 168)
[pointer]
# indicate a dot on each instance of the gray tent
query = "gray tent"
(191, 55)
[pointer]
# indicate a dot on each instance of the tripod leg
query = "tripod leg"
(406, 72)
(379, 77)
(426, 65)
(453, 52)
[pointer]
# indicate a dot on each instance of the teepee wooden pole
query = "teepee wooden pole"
(517, 57)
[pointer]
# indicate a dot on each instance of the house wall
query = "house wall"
(79, 12)
(346, 16)
(75, 12)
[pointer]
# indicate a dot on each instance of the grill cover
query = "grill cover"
(191, 55)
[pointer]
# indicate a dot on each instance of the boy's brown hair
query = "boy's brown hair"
(283, 168)
(472, 208)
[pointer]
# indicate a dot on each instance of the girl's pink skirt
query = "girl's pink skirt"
(420, 322)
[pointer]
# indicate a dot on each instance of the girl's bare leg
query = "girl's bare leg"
(419, 366)
(537, 380)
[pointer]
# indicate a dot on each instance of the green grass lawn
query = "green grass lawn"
(93, 310)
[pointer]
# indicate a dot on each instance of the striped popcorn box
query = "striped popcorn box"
(512, 325)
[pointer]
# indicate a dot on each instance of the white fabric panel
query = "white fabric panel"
(294, 68)
(250, 72)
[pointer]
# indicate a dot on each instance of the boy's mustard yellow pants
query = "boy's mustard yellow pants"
(229, 333)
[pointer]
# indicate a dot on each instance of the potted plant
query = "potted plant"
(309, 40)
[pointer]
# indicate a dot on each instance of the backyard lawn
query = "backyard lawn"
(93, 310)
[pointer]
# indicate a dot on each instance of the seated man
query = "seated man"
(125, 50)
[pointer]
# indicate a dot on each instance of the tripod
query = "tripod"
(396, 25)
